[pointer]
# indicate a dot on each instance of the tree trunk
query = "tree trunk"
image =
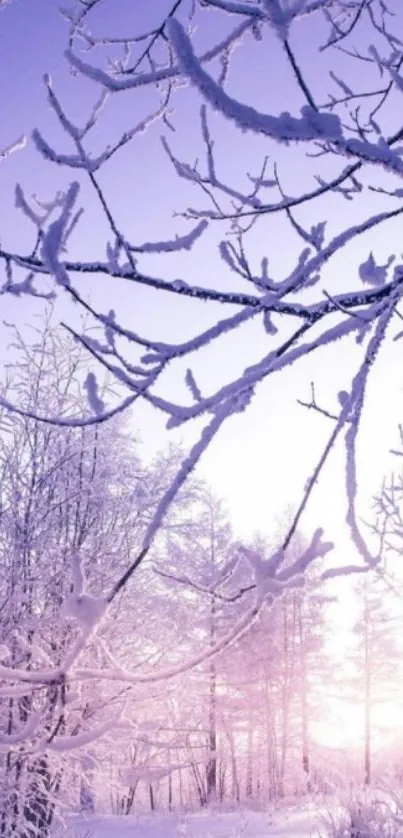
(304, 702)
(249, 763)
(367, 732)
(288, 651)
(169, 783)
(38, 810)
(272, 761)
(234, 773)
(367, 700)
(211, 772)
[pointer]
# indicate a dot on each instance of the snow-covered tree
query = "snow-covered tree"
(74, 506)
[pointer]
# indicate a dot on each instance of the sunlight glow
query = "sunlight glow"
(343, 725)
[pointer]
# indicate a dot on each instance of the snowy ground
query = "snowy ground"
(300, 823)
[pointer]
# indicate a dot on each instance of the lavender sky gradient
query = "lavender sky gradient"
(263, 457)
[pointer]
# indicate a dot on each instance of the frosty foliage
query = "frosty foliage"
(369, 815)
(95, 402)
(54, 238)
(80, 606)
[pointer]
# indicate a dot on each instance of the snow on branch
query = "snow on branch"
(25, 732)
(63, 744)
(42, 210)
(310, 126)
(220, 415)
(53, 239)
(358, 392)
(17, 145)
(80, 606)
(163, 675)
(40, 676)
(155, 76)
(279, 16)
(316, 549)
(237, 8)
(184, 242)
(73, 161)
(96, 404)
(269, 584)
(70, 421)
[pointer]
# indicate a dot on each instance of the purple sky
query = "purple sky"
(262, 459)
